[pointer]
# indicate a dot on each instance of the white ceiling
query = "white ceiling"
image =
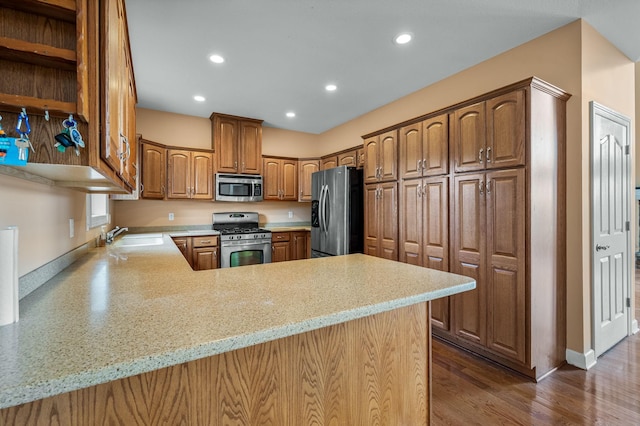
(281, 53)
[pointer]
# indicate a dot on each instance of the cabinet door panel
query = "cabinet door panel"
(348, 159)
(469, 138)
(371, 230)
(371, 160)
(250, 148)
(469, 319)
(280, 252)
(289, 180)
(299, 245)
(306, 169)
(226, 148)
(435, 240)
(506, 130)
(410, 142)
(388, 156)
(435, 146)
(178, 174)
(271, 178)
(506, 291)
(435, 225)
(410, 241)
(329, 163)
(205, 258)
(388, 217)
(154, 167)
(202, 175)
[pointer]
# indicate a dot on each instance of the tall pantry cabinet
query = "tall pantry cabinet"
(495, 212)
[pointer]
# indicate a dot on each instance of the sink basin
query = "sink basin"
(138, 240)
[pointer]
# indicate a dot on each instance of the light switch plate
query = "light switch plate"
(290, 214)
(71, 228)
(171, 216)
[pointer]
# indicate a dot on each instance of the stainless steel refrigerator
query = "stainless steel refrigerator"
(337, 212)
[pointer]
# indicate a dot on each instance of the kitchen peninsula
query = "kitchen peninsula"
(131, 334)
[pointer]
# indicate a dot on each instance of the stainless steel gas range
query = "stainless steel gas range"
(242, 241)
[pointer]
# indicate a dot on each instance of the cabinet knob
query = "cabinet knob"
(488, 154)
(480, 155)
(424, 163)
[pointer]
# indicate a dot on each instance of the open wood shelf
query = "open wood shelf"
(64, 10)
(37, 54)
(56, 108)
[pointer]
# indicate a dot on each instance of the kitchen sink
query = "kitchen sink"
(138, 240)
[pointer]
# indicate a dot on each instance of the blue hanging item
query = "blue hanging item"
(10, 153)
(69, 137)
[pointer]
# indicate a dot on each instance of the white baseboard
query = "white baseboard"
(584, 361)
(634, 326)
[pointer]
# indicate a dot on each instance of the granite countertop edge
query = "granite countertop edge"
(19, 395)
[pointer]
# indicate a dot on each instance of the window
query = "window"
(97, 210)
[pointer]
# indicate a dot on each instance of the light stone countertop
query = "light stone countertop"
(121, 311)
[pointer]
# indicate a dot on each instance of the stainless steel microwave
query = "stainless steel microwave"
(238, 188)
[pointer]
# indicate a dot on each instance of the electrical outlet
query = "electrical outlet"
(171, 216)
(71, 228)
(290, 214)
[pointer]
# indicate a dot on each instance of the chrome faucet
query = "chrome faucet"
(114, 233)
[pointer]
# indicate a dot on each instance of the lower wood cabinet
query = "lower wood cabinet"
(424, 232)
(201, 252)
(280, 247)
(294, 245)
(489, 245)
(300, 245)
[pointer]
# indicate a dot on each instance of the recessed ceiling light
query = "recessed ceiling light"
(402, 38)
(291, 114)
(331, 87)
(216, 59)
(199, 98)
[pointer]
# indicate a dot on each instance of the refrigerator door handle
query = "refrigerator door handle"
(324, 213)
(321, 209)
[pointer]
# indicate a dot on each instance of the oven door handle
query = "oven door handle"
(243, 243)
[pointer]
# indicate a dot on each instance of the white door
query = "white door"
(610, 234)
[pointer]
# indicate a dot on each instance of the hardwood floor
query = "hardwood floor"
(468, 390)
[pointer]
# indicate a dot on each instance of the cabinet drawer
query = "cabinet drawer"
(280, 236)
(205, 241)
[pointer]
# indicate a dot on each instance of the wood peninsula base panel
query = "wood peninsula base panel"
(370, 371)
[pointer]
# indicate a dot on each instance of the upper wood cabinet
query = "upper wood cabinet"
(328, 162)
(381, 220)
(381, 157)
(237, 142)
(190, 174)
(424, 148)
(72, 57)
(280, 178)
(306, 168)
(349, 158)
(118, 91)
(490, 134)
(154, 168)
